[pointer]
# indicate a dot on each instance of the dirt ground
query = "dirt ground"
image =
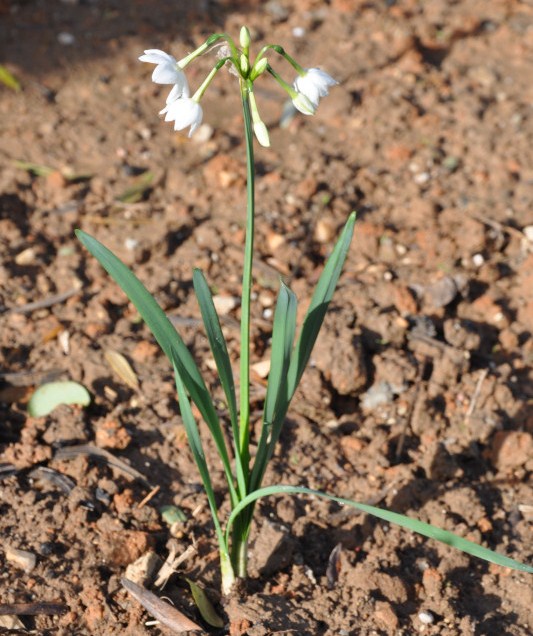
(419, 393)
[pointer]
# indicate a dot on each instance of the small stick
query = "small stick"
(475, 397)
(44, 303)
(149, 496)
(32, 609)
(69, 452)
(164, 612)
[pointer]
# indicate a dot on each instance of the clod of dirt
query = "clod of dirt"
(123, 547)
(511, 449)
(385, 615)
(110, 434)
(143, 570)
(272, 549)
(339, 355)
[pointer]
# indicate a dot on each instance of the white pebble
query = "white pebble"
(67, 39)
(421, 178)
(267, 313)
(298, 32)
(130, 244)
(528, 233)
(225, 304)
(204, 133)
(426, 618)
(478, 260)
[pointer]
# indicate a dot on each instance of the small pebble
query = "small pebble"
(421, 178)
(298, 32)
(478, 260)
(528, 233)
(204, 133)
(130, 243)
(262, 368)
(225, 304)
(21, 558)
(378, 394)
(26, 257)
(67, 39)
(426, 618)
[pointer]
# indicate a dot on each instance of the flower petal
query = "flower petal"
(155, 56)
(167, 73)
(314, 84)
(178, 90)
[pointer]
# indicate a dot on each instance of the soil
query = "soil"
(419, 394)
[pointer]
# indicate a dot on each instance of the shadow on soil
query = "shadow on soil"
(39, 36)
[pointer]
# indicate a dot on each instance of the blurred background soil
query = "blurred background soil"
(419, 393)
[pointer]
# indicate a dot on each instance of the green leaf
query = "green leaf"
(172, 514)
(318, 307)
(204, 605)
(138, 190)
(8, 79)
(37, 169)
(219, 349)
(168, 338)
(217, 343)
(52, 394)
(424, 529)
(195, 443)
(277, 398)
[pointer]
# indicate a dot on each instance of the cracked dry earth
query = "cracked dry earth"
(419, 394)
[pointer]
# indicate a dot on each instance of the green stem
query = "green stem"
(244, 424)
(239, 556)
(280, 51)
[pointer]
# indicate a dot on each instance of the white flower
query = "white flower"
(314, 85)
(184, 112)
(167, 71)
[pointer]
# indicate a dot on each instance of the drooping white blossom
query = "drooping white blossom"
(184, 112)
(314, 85)
(167, 71)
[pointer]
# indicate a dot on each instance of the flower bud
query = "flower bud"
(303, 104)
(244, 38)
(258, 68)
(261, 133)
(245, 65)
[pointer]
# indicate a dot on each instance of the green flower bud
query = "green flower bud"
(258, 68)
(244, 38)
(245, 64)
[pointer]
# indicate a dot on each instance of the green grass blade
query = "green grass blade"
(217, 343)
(195, 443)
(425, 529)
(169, 340)
(219, 349)
(319, 304)
(277, 398)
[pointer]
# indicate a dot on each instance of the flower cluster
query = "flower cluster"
(185, 110)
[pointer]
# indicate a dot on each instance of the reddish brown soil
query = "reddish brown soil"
(419, 394)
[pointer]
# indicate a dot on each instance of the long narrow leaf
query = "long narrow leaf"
(168, 338)
(425, 529)
(217, 343)
(319, 304)
(195, 443)
(219, 349)
(277, 398)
